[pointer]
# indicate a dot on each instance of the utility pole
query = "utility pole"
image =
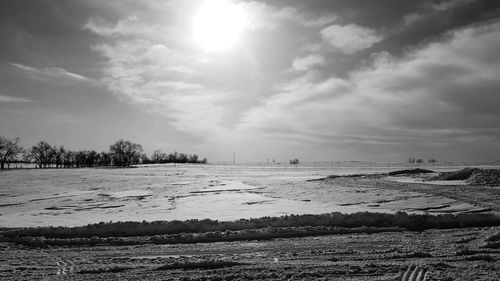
(234, 157)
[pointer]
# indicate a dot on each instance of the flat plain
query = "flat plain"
(224, 192)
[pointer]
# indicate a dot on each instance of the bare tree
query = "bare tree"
(69, 159)
(42, 154)
(58, 155)
(105, 159)
(92, 158)
(193, 158)
(9, 149)
(158, 157)
(183, 158)
(145, 159)
(125, 153)
(80, 158)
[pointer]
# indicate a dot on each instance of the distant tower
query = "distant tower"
(234, 157)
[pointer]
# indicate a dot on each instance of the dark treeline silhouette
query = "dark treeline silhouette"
(122, 153)
(158, 157)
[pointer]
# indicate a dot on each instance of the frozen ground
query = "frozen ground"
(448, 254)
(225, 192)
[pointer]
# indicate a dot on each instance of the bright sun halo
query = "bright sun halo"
(218, 24)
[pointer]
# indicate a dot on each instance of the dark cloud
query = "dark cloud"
(374, 14)
(390, 17)
(426, 23)
(46, 33)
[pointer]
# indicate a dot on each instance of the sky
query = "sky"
(324, 80)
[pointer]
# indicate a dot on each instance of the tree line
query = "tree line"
(412, 160)
(159, 157)
(122, 153)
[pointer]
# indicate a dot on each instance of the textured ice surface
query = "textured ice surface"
(166, 192)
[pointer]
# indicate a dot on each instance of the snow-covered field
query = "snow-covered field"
(42, 197)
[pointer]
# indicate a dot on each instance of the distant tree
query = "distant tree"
(182, 158)
(158, 157)
(125, 153)
(9, 150)
(97, 161)
(42, 153)
(69, 159)
(91, 158)
(193, 158)
(294, 161)
(420, 161)
(173, 157)
(80, 158)
(105, 159)
(432, 160)
(145, 159)
(58, 155)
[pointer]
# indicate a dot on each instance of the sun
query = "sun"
(218, 25)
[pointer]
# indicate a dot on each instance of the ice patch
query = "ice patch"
(424, 181)
(236, 205)
(139, 194)
(230, 186)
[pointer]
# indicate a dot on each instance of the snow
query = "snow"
(53, 197)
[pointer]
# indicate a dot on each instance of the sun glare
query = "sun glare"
(218, 24)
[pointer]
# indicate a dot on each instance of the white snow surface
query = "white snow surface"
(70, 197)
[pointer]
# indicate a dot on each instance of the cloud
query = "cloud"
(305, 63)
(350, 38)
(50, 72)
(265, 16)
(292, 14)
(148, 64)
(448, 5)
(439, 91)
(9, 99)
(164, 79)
(450, 12)
(130, 27)
(441, 94)
(413, 18)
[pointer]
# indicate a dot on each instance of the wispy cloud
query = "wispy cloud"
(266, 16)
(129, 27)
(437, 9)
(305, 63)
(9, 99)
(50, 72)
(448, 5)
(293, 15)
